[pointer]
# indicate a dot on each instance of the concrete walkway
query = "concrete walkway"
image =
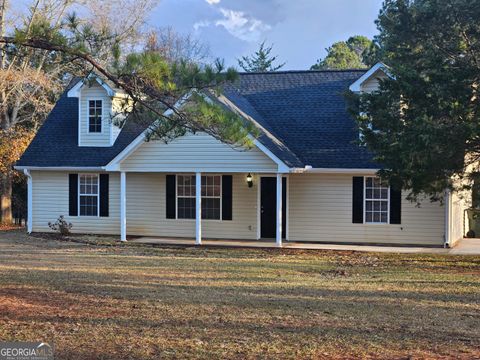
(464, 247)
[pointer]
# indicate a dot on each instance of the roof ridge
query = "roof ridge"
(299, 71)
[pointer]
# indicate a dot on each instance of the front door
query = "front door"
(268, 207)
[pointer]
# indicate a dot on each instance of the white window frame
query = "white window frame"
(203, 197)
(88, 115)
(220, 197)
(373, 199)
(97, 195)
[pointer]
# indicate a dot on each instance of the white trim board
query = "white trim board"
(356, 86)
(60, 168)
(75, 91)
(346, 171)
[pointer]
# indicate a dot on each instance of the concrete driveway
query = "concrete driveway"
(466, 247)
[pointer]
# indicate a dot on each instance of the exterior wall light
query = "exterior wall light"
(249, 180)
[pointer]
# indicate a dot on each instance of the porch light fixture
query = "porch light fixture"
(249, 180)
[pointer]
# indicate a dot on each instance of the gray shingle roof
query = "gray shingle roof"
(306, 111)
(56, 143)
(303, 115)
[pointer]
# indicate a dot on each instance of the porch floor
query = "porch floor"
(464, 247)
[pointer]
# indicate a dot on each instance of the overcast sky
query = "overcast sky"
(299, 29)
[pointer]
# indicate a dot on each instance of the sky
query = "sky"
(300, 30)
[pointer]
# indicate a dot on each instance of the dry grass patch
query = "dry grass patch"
(143, 302)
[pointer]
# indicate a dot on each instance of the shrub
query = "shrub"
(61, 225)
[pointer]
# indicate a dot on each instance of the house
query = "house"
(306, 179)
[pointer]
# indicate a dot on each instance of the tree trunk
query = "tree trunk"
(6, 199)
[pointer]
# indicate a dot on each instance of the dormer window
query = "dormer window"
(95, 116)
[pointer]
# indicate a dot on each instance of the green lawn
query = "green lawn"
(141, 302)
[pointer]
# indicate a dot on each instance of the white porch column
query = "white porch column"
(29, 201)
(123, 206)
(198, 209)
(279, 211)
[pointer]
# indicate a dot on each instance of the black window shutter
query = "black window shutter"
(73, 194)
(395, 206)
(227, 197)
(357, 200)
(170, 196)
(104, 195)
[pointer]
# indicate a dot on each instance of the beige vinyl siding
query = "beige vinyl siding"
(199, 152)
(50, 197)
(146, 210)
(95, 92)
(321, 210)
(372, 83)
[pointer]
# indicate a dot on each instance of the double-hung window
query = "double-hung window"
(186, 197)
(377, 200)
(211, 197)
(95, 116)
(88, 194)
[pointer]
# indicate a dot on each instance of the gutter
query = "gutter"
(448, 217)
(59, 168)
(29, 200)
(308, 169)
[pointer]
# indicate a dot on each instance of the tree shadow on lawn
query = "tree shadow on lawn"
(147, 284)
(267, 318)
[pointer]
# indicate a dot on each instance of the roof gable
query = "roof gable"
(80, 83)
(375, 69)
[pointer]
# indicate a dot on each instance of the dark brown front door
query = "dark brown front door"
(268, 209)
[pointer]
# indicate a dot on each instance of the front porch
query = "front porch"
(178, 206)
(463, 247)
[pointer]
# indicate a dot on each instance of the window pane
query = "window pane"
(88, 205)
(384, 193)
(369, 182)
(186, 208)
(368, 216)
(211, 208)
(88, 185)
(369, 206)
(384, 206)
(369, 193)
(376, 217)
(384, 217)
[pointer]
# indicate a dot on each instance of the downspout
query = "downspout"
(29, 200)
(448, 217)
